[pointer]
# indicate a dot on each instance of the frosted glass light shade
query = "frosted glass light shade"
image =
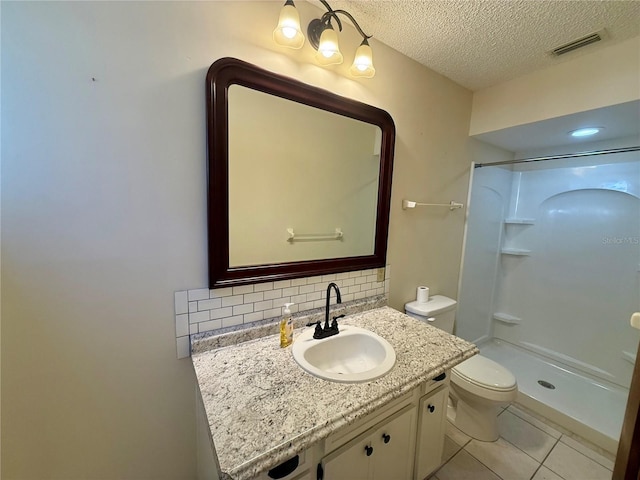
(288, 33)
(363, 62)
(328, 50)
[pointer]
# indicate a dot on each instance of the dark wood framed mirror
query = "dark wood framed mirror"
(299, 178)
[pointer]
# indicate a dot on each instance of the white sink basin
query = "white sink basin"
(355, 355)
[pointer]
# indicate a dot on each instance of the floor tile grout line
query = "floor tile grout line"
(536, 472)
(537, 417)
(450, 458)
(579, 452)
(557, 440)
(479, 461)
(540, 464)
(542, 419)
(535, 426)
(552, 470)
(531, 457)
(549, 452)
(486, 466)
(451, 438)
(493, 471)
(587, 456)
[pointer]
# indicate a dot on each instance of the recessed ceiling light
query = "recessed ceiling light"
(585, 132)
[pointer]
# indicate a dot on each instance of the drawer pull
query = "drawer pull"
(386, 438)
(369, 450)
(285, 468)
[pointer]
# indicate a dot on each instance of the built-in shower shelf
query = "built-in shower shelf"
(516, 251)
(506, 318)
(519, 221)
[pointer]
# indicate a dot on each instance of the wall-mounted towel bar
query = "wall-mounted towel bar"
(308, 237)
(452, 205)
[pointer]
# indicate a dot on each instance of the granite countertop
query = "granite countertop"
(262, 408)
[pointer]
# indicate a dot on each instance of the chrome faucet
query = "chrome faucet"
(329, 329)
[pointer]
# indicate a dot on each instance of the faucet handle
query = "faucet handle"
(317, 333)
(334, 324)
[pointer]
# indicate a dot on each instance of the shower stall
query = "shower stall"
(550, 278)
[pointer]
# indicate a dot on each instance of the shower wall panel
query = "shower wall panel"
(489, 201)
(569, 269)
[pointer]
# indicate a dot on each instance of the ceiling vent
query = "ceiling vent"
(579, 43)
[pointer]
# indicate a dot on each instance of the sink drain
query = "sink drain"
(546, 384)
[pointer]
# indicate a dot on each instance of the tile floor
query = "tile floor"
(529, 448)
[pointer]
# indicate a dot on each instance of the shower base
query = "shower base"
(591, 408)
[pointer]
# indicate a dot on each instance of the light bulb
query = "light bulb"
(289, 32)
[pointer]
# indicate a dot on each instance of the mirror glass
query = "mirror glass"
(299, 178)
(305, 185)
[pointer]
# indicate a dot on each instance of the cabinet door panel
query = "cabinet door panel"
(432, 418)
(351, 461)
(393, 443)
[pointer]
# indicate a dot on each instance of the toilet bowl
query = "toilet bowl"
(480, 387)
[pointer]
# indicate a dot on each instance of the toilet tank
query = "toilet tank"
(439, 311)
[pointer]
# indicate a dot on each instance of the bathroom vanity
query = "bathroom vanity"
(262, 416)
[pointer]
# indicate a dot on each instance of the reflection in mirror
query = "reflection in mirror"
(310, 172)
(299, 178)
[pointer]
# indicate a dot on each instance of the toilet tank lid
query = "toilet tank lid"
(436, 304)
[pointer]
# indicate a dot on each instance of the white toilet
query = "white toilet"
(479, 386)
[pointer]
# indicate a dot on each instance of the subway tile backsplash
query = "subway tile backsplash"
(203, 310)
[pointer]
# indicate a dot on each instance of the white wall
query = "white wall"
(103, 215)
(608, 76)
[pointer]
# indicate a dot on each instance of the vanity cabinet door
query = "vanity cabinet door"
(431, 429)
(349, 462)
(394, 443)
(370, 457)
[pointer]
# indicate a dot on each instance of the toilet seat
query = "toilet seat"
(484, 373)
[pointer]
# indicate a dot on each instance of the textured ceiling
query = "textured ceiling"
(481, 43)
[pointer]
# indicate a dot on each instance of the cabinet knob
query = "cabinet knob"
(431, 408)
(386, 438)
(369, 450)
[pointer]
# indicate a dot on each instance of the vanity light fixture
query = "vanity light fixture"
(288, 33)
(585, 132)
(324, 38)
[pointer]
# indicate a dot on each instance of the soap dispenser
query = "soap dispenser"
(286, 327)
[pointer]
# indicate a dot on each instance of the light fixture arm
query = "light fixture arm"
(334, 13)
(316, 26)
(330, 13)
